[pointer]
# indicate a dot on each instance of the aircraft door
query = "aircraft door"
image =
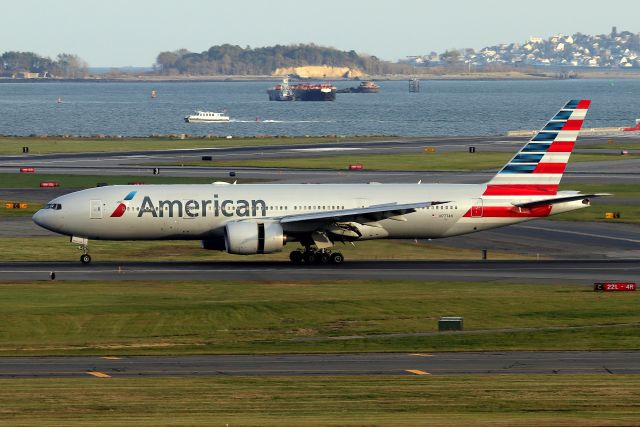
(96, 209)
(476, 208)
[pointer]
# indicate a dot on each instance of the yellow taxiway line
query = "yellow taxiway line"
(98, 374)
(417, 372)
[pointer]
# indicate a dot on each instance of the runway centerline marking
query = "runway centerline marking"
(421, 354)
(111, 358)
(98, 374)
(417, 372)
(579, 233)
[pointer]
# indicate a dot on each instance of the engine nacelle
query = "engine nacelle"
(252, 237)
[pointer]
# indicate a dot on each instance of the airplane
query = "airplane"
(248, 219)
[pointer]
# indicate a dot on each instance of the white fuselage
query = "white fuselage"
(156, 212)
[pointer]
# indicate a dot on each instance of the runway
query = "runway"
(422, 364)
(576, 272)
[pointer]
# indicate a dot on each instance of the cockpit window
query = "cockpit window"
(54, 206)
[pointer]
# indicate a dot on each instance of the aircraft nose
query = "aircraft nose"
(38, 217)
(42, 218)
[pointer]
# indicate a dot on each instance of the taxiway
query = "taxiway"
(473, 363)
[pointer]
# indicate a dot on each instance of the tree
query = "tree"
(71, 66)
(167, 60)
(233, 59)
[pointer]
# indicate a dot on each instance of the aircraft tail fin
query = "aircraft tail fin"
(537, 168)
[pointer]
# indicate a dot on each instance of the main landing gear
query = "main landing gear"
(316, 256)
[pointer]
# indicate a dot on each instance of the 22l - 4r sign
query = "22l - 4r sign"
(615, 286)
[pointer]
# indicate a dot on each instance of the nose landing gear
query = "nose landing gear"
(83, 245)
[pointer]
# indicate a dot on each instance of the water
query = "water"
(442, 108)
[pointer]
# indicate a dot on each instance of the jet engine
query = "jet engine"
(251, 237)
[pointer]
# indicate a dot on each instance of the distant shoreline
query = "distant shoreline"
(473, 76)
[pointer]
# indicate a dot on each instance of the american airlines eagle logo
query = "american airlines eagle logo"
(122, 206)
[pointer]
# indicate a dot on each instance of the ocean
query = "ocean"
(441, 108)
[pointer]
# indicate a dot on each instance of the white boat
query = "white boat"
(206, 117)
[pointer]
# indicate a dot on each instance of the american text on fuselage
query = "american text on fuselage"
(194, 208)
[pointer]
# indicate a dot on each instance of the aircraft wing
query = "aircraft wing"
(375, 212)
(560, 199)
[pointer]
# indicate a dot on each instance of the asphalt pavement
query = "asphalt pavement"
(425, 364)
(579, 272)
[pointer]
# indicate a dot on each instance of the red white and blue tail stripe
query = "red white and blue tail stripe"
(538, 167)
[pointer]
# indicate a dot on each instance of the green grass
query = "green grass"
(596, 212)
(618, 190)
(59, 249)
(617, 145)
(504, 400)
(446, 161)
(13, 145)
(147, 317)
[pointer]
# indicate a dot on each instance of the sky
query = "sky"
(115, 33)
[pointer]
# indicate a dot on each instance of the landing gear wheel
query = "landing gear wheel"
(85, 258)
(323, 258)
(309, 257)
(337, 258)
(296, 257)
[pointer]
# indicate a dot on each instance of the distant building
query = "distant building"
(577, 50)
(27, 75)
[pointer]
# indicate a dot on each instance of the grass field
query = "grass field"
(506, 400)
(446, 161)
(59, 249)
(13, 145)
(618, 190)
(629, 214)
(620, 144)
(126, 317)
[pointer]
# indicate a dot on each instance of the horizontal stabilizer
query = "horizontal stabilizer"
(560, 199)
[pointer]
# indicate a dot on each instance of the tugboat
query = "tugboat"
(368, 87)
(365, 87)
(281, 92)
(302, 92)
(206, 117)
